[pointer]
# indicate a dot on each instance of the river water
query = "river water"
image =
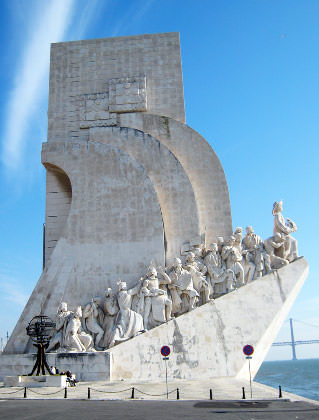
(300, 377)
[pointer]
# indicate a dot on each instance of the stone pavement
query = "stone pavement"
(222, 389)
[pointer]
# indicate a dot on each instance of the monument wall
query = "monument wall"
(139, 244)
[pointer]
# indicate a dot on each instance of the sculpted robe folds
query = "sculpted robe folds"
(128, 322)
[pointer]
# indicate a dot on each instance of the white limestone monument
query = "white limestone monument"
(140, 251)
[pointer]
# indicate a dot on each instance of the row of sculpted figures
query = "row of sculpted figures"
(199, 276)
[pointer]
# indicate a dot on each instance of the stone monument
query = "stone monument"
(139, 244)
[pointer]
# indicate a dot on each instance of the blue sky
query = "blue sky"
(251, 87)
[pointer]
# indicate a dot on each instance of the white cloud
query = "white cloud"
(50, 24)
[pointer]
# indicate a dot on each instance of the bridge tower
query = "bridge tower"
(293, 344)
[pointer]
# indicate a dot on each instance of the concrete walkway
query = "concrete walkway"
(222, 389)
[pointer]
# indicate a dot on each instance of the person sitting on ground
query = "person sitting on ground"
(70, 378)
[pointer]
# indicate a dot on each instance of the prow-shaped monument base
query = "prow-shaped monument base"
(208, 341)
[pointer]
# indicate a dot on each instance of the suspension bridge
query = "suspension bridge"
(293, 343)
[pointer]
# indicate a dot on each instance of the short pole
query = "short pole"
(244, 395)
(210, 394)
(251, 390)
(280, 393)
(177, 393)
(166, 376)
(132, 396)
(89, 393)
(25, 392)
(65, 392)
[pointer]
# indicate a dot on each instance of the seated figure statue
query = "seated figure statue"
(184, 296)
(276, 245)
(222, 279)
(75, 338)
(285, 228)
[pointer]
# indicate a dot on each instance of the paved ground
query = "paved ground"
(222, 389)
(157, 410)
(111, 400)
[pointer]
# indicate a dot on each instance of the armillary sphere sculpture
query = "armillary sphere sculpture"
(40, 330)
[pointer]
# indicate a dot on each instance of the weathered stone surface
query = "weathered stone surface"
(205, 343)
(89, 67)
(208, 341)
(174, 191)
(201, 164)
(113, 230)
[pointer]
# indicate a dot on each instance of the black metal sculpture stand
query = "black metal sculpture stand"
(41, 363)
(40, 331)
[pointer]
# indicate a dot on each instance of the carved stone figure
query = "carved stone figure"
(198, 272)
(247, 260)
(276, 244)
(145, 302)
(111, 309)
(207, 273)
(184, 296)
(238, 235)
(128, 322)
(197, 250)
(220, 243)
(255, 252)
(285, 228)
(93, 318)
(158, 306)
(62, 317)
(233, 259)
(222, 279)
(75, 338)
(194, 246)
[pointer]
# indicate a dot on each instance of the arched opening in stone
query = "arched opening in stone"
(58, 203)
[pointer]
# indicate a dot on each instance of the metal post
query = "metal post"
(65, 392)
(132, 396)
(166, 377)
(293, 344)
(251, 391)
(244, 395)
(280, 393)
(177, 393)
(89, 393)
(25, 392)
(210, 394)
